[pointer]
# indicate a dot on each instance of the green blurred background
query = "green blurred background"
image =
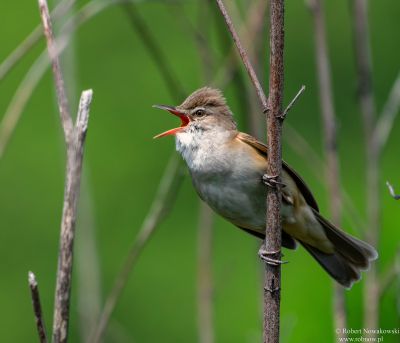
(123, 165)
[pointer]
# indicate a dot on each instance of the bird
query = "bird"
(228, 169)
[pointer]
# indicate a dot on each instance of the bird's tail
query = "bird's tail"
(351, 255)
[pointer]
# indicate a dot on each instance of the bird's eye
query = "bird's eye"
(199, 113)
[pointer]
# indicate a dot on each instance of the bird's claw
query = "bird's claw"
(272, 181)
(266, 257)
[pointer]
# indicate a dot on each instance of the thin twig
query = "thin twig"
(87, 262)
(19, 100)
(163, 201)
(31, 40)
(199, 35)
(273, 109)
(228, 65)
(205, 325)
(364, 64)
(74, 139)
(332, 169)
(250, 30)
(38, 68)
(256, 36)
(243, 55)
(372, 155)
(37, 307)
(391, 274)
(71, 195)
(65, 114)
(272, 283)
(288, 108)
(205, 281)
(389, 113)
(258, 31)
(392, 192)
(303, 149)
(228, 70)
(144, 33)
(88, 291)
(167, 190)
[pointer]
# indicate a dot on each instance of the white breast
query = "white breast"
(220, 178)
(200, 148)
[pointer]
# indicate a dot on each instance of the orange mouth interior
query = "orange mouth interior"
(182, 116)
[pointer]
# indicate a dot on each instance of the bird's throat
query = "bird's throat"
(199, 147)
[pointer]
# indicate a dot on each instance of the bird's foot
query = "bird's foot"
(272, 181)
(271, 257)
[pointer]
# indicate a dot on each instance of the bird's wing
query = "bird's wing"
(262, 148)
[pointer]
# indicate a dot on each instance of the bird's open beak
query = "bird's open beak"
(183, 117)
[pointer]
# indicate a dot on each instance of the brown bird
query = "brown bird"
(227, 169)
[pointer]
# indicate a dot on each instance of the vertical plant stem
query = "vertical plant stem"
(167, 190)
(205, 283)
(154, 49)
(74, 136)
(392, 192)
(256, 38)
(332, 168)
(163, 200)
(88, 271)
(65, 114)
(388, 115)
(205, 308)
(71, 195)
(28, 84)
(37, 307)
(372, 155)
(201, 35)
(31, 40)
(272, 285)
(274, 123)
(244, 57)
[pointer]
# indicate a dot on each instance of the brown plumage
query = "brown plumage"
(227, 168)
(349, 256)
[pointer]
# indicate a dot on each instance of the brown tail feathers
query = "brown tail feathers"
(350, 258)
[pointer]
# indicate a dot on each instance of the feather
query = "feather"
(262, 148)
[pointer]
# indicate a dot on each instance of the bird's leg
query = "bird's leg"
(272, 181)
(270, 257)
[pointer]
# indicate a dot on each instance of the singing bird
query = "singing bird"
(227, 169)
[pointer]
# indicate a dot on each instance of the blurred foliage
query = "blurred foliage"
(123, 165)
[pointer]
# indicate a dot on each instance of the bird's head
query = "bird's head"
(204, 109)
